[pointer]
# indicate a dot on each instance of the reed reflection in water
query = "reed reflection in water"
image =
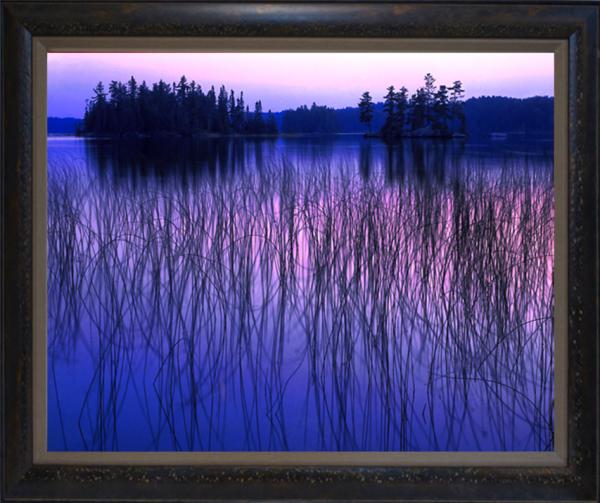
(299, 295)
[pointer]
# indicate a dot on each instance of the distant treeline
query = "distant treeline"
(182, 108)
(490, 114)
(185, 109)
(431, 111)
(63, 125)
(304, 120)
(483, 115)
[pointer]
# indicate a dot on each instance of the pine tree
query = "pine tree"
(163, 107)
(258, 120)
(429, 90)
(222, 111)
(365, 108)
(231, 109)
(117, 122)
(211, 110)
(389, 107)
(441, 111)
(181, 112)
(418, 105)
(132, 108)
(193, 108)
(456, 107)
(401, 106)
(95, 119)
(239, 115)
(247, 120)
(271, 125)
(145, 124)
(182, 88)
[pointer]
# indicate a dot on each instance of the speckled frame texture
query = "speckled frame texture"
(22, 480)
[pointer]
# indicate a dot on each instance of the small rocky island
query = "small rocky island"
(431, 112)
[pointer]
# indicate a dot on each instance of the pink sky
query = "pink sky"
(286, 80)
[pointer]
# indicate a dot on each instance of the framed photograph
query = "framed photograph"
(318, 250)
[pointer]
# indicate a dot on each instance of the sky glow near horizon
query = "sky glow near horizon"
(288, 80)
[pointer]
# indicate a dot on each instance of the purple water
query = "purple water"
(301, 294)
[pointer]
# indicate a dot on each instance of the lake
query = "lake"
(308, 293)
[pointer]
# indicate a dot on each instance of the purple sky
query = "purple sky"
(286, 80)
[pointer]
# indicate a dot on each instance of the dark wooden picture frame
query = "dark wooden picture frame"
(22, 22)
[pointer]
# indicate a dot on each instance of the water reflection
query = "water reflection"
(300, 294)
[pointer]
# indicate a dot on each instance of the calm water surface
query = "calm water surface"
(300, 294)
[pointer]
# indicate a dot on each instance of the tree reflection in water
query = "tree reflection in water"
(299, 295)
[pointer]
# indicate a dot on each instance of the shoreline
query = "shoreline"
(495, 138)
(177, 136)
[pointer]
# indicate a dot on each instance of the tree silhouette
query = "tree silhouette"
(457, 107)
(419, 109)
(223, 111)
(429, 90)
(365, 109)
(304, 120)
(441, 111)
(96, 112)
(184, 109)
(389, 107)
(271, 124)
(257, 124)
(181, 108)
(430, 111)
(401, 110)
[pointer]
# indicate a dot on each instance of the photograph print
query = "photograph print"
(324, 252)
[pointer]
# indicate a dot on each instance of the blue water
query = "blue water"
(310, 294)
